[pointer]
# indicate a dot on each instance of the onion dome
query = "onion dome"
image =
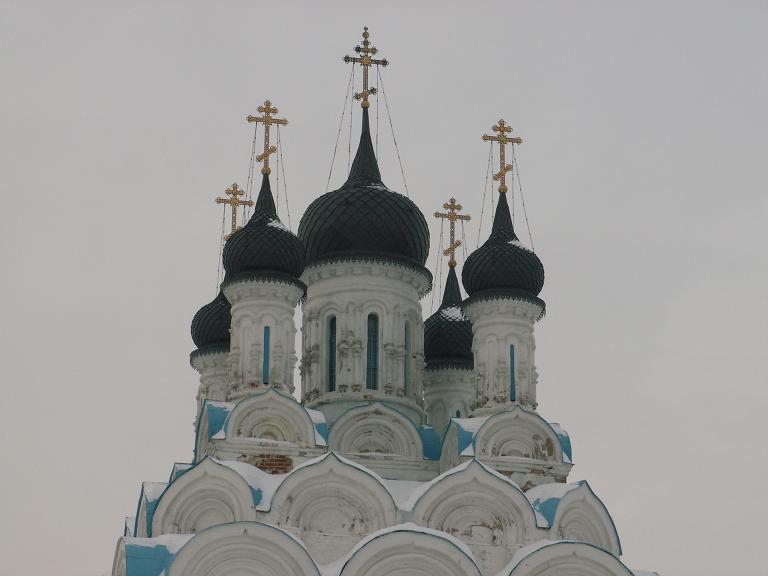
(364, 217)
(448, 333)
(264, 246)
(503, 263)
(210, 326)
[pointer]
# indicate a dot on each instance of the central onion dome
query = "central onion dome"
(503, 263)
(210, 326)
(448, 333)
(364, 217)
(264, 246)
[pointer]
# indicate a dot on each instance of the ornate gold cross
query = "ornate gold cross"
(502, 129)
(452, 216)
(234, 192)
(365, 60)
(267, 109)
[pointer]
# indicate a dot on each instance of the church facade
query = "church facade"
(416, 448)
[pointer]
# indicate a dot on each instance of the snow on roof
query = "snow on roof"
(401, 490)
(545, 499)
(152, 556)
(525, 551)
(321, 427)
(336, 567)
(452, 314)
(178, 469)
(171, 542)
(217, 413)
(153, 490)
(565, 441)
(263, 485)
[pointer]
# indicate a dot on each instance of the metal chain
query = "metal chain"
(221, 247)
(338, 134)
(522, 198)
(249, 184)
(282, 167)
(485, 193)
(392, 128)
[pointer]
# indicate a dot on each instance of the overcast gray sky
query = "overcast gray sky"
(644, 168)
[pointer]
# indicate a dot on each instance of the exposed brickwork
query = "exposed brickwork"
(270, 463)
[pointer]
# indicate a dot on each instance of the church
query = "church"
(409, 446)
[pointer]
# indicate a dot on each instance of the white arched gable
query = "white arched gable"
(518, 433)
(564, 559)
(375, 429)
(118, 563)
(204, 496)
(407, 550)
(331, 503)
(583, 517)
(273, 416)
(243, 549)
(480, 507)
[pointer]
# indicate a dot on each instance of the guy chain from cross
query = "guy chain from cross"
(267, 109)
(452, 216)
(365, 60)
(502, 129)
(234, 192)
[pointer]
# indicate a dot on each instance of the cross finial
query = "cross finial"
(502, 130)
(234, 192)
(267, 110)
(452, 215)
(365, 60)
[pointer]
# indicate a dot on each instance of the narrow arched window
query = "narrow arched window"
(265, 362)
(407, 361)
(458, 413)
(332, 354)
(372, 354)
(512, 392)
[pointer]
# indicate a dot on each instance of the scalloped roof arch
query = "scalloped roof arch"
(253, 546)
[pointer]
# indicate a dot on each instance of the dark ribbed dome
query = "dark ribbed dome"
(448, 333)
(210, 326)
(264, 244)
(503, 262)
(364, 217)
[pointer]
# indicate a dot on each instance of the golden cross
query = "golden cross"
(452, 216)
(502, 138)
(365, 60)
(234, 191)
(267, 109)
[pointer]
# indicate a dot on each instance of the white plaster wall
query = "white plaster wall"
(214, 376)
(445, 391)
(497, 324)
(351, 291)
(256, 304)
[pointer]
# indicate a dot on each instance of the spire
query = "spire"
(365, 165)
(503, 229)
(265, 203)
(451, 294)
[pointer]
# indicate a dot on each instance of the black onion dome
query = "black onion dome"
(503, 262)
(210, 326)
(448, 333)
(364, 217)
(264, 244)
